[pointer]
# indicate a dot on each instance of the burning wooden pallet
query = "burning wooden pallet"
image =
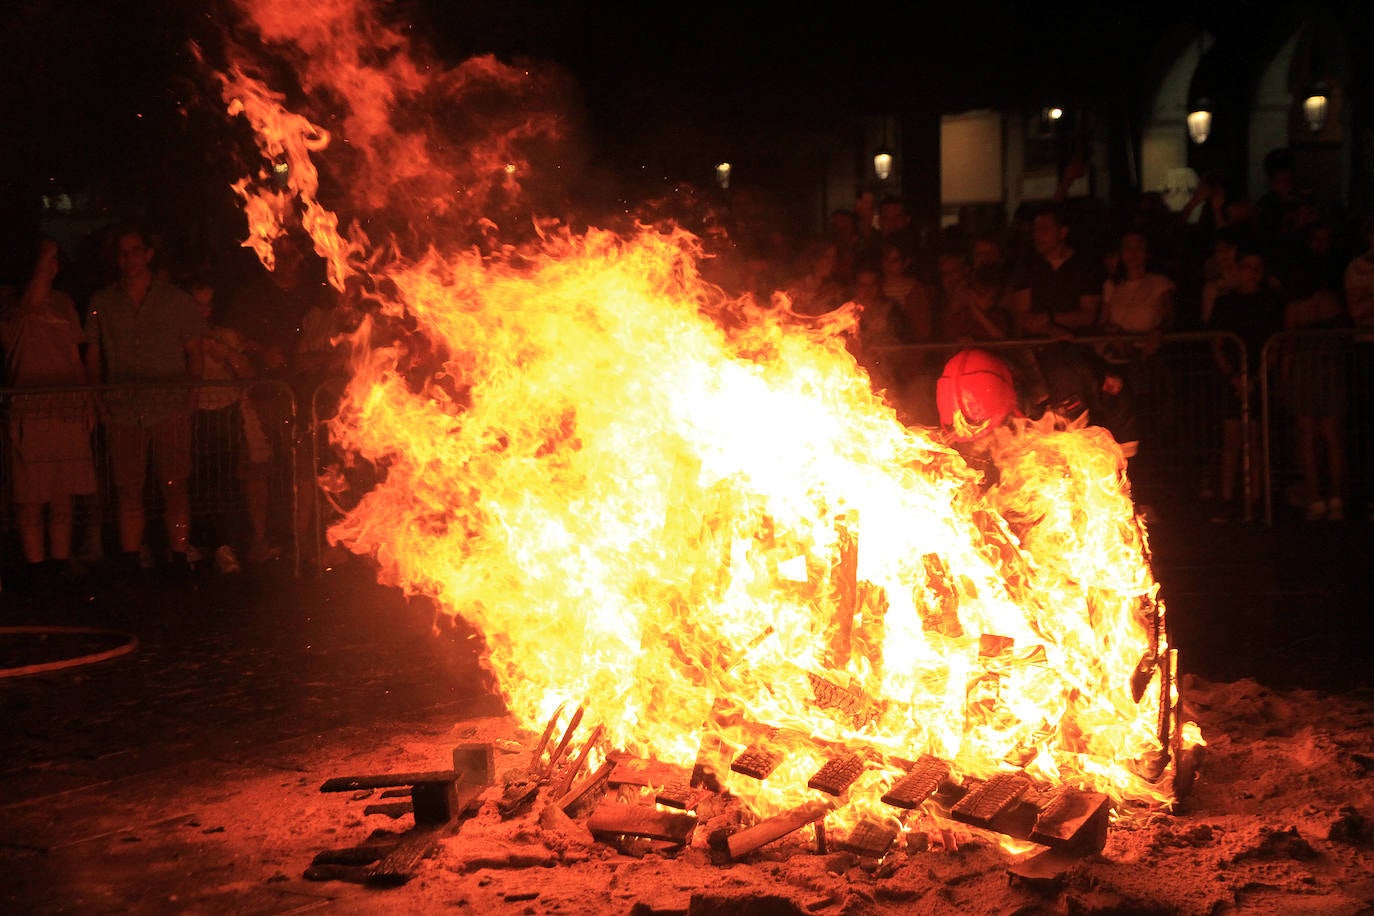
(633, 803)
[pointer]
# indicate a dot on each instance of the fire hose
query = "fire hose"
(128, 643)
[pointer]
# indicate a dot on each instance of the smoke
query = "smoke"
(419, 149)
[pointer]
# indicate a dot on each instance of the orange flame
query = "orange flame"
(694, 517)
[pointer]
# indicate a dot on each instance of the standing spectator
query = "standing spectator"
(818, 289)
(1253, 311)
(844, 233)
(1135, 299)
(898, 281)
(1312, 386)
(138, 331)
(1219, 272)
(50, 434)
(1359, 281)
(970, 310)
(1062, 288)
(895, 228)
(228, 432)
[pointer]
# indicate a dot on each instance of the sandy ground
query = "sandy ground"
(1278, 822)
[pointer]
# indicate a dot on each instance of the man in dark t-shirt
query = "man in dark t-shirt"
(1060, 290)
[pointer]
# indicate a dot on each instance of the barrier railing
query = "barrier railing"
(1318, 421)
(234, 441)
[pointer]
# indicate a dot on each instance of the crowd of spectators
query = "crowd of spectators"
(173, 415)
(186, 345)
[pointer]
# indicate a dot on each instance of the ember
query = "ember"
(692, 519)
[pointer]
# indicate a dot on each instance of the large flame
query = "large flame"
(693, 516)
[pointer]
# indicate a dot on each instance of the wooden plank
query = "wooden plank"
(844, 582)
(869, 838)
(562, 747)
(757, 761)
(390, 809)
(986, 801)
(1073, 819)
(858, 708)
(387, 780)
(780, 825)
(365, 854)
(918, 784)
(838, 774)
(566, 781)
(401, 864)
(579, 793)
(636, 771)
(615, 819)
(477, 762)
(680, 795)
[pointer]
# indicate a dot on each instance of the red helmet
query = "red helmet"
(975, 393)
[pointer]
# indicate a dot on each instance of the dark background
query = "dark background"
(107, 99)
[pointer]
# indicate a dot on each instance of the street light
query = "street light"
(1314, 107)
(882, 164)
(723, 175)
(1200, 121)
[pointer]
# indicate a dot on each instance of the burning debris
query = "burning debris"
(636, 806)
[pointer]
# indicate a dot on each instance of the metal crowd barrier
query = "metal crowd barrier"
(1316, 408)
(233, 431)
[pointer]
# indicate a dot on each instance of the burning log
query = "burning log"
(562, 747)
(845, 588)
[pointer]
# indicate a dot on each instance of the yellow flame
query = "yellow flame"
(694, 517)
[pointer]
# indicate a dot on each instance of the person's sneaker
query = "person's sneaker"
(1316, 510)
(226, 561)
(1335, 509)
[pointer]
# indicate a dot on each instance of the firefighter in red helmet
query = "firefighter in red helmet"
(975, 394)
